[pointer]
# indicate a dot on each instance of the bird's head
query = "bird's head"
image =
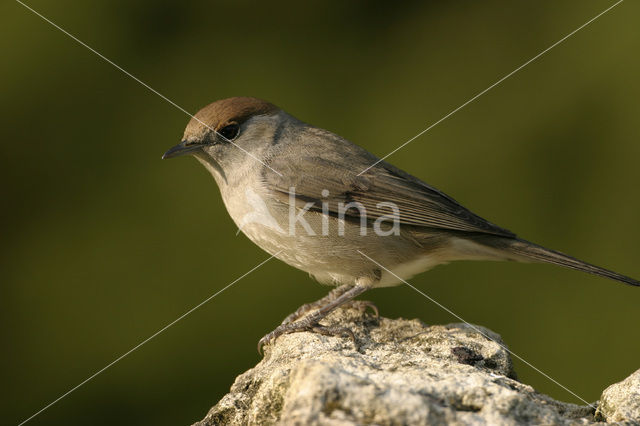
(224, 129)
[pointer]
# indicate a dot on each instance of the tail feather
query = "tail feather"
(533, 252)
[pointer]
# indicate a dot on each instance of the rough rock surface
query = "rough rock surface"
(620, 402)
(403, 372)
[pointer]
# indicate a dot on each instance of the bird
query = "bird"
(326, 206)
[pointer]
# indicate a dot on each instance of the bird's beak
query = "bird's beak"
(181, 149)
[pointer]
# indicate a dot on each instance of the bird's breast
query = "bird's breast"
(326, 247)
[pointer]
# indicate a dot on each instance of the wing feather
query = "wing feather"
(419, 205)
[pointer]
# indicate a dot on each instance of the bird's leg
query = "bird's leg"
(333, 294)
(310, 322)
(334, 331)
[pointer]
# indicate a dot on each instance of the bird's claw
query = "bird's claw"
(269, 338)
(264, 341)
(362, 305)
(335, 331)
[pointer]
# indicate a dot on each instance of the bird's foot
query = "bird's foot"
(336, 331)
(308, 307)
(307, 324)
(362, 305)
(290, 325)
(303, 325)
(311, 320)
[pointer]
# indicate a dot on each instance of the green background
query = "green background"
(103, 243)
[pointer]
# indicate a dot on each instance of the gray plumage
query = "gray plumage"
(272, 166)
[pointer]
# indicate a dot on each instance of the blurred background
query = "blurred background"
(103, 243)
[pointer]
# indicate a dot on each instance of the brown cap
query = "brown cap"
(226, 111)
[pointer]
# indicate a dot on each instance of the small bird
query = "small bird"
(330, 208)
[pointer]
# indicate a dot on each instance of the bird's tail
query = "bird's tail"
(527, 251)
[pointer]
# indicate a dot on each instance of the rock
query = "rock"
(620, 402)
(403, 372)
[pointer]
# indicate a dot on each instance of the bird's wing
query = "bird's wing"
(418, 204)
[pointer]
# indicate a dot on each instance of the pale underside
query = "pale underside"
(335, 259)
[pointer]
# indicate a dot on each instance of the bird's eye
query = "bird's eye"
(230, 131)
